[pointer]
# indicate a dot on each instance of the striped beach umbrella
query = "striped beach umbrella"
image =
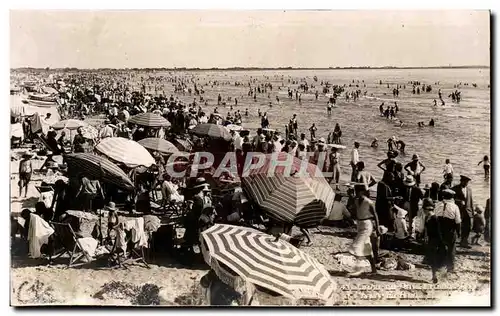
(262, 260)
(126, 151)
(158, 144)
(70, 124)
(289, 194)
(149, 119)
(98, 168)
(212, 130)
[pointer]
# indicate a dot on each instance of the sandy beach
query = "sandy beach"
(170, 282)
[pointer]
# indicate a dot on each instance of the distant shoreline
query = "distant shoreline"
(243, 68)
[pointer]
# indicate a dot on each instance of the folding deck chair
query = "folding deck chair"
(74, 248)
(48, 148)
(131, 256)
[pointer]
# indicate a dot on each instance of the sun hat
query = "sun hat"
(200, 182)
(111, 206)
(464, 178)
(409, 181)
(321, 140)
(401, 212)
(448, 193)
(428, 203)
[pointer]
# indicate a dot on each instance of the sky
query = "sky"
(206, 39)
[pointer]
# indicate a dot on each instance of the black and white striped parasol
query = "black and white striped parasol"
(260, 259)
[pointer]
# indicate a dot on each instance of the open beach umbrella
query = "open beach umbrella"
(98, 168)
(234, 127)
(298, 195)
(262, 260)
(158, 144)
(126, 151)
(212, 130)
(70, 124)
(149, 119)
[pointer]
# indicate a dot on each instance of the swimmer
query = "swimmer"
(374, 143)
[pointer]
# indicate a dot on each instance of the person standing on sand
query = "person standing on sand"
(334, 166)
(464, 200)
(365, 245)
(384, 200)
(412, 198)
(25, 172)
(354, 161)
(442, 228)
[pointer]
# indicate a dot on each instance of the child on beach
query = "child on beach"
(25, 172)
(400, 227)
(478, 225)
(448, 168)
(486, 166)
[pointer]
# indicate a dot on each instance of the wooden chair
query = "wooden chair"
(74, 249)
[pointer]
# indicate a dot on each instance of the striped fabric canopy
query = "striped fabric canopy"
(126, 151)
(212, 130)
(149, 119)
(99, 168)
(262, 260)
(301, 198)
(158, 144)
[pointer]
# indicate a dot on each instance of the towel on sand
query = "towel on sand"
(38, 235)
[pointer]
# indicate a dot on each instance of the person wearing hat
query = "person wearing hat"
(113, 219)
(354, 161)
(365, 245)
(447, 184)
(464, 200)
(201, 201)
(412, 198)
(415, 167)
(320, 155)
(25, 172)
(106, 130)
(442, 228)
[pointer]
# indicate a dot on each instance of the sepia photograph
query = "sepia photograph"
(178, 158)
